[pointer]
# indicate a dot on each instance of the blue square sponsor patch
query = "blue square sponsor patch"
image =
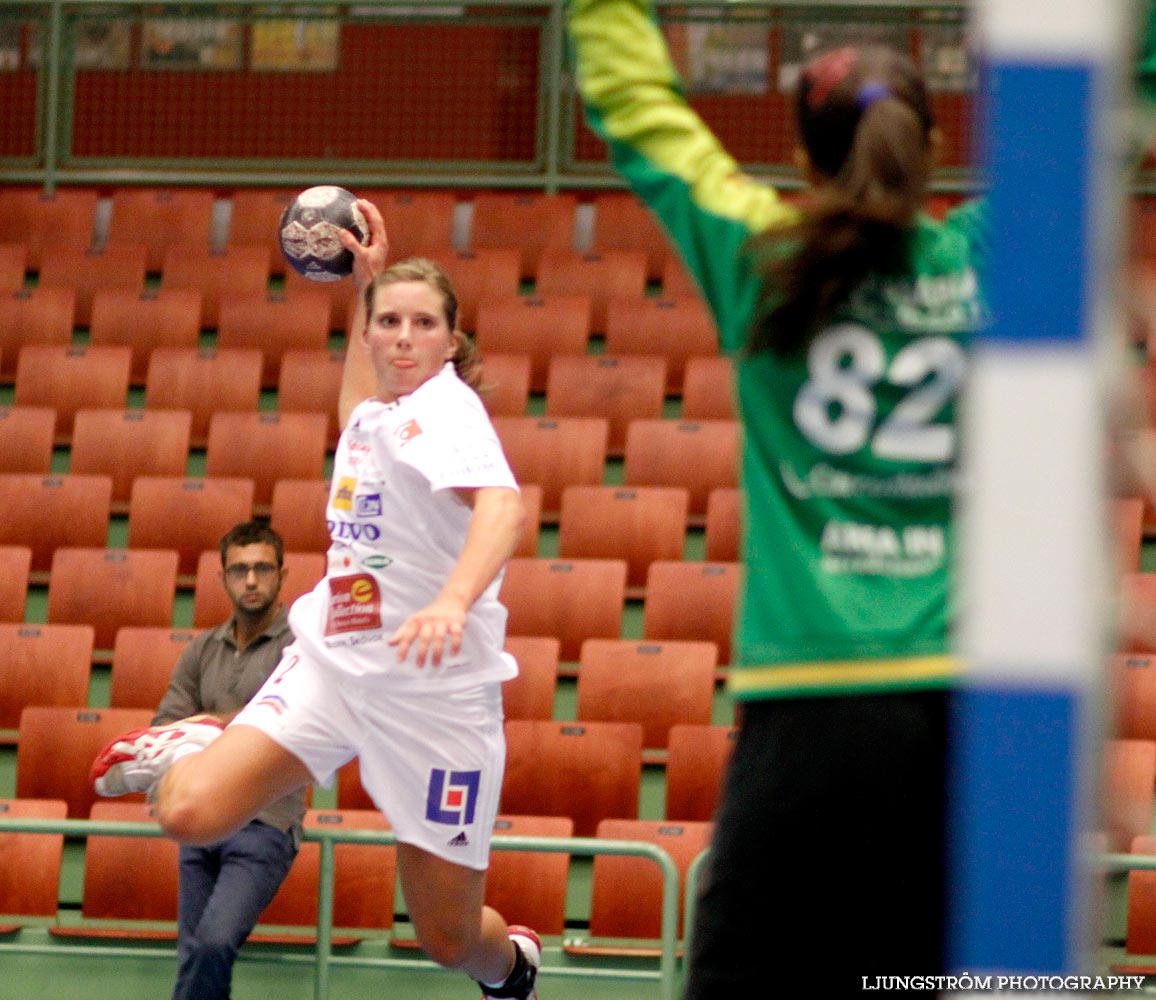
(452, 796)
(368, 505)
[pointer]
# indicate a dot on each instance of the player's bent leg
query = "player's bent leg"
(205, 796)
(457, 931)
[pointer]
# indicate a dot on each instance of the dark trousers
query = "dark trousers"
(827, 864)
(223, 891)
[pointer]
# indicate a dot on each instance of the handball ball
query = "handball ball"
(309, 228)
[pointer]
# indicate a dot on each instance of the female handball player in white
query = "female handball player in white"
(398, 654)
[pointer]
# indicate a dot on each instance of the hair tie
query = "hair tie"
(871, 92)
(827, 72)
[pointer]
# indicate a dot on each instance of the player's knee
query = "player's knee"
(188, 812)
(449, 950)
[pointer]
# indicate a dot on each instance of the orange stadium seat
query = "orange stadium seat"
(297, 514)
(639, 524)
(414, 219)
(603, 277)
(127, 879)
(162, 219)
(211, 604)
(13, 264)
(217, 275)
(532, 502)
(588, 771)
(677, 328)
(540, 326)
(530, 695)
(47, 221)
(677, 281)
(1129, 533)
(554, 453)
(112, 588)
(572, 599)
(87, 271)
(364, 882)
(708, 391)
(310, 382)
(56, 749)
(33, 316)
(70, 378)
(699, 455)
(142, 665)
(723, 524)
(626, 892)
(186, 515)
(621, 389)
(656, 684)
(1130, 787)
(622, 222)
(254, 216)
(505, 388)
(477, 275)
(266, 447)
(125, 444)
(26, 436)
(696, 761)
(530, 222)
(144, 321)
(273, 323)
(692, 601)
(350, 792)
(1134, 681)
(42, 665)
(30, 865)
(203, 382)
(343, 298)
(15, 563)
(48, 512)
(1140, 937)
(529, 887)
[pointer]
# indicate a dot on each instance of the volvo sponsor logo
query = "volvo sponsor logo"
(353, 532)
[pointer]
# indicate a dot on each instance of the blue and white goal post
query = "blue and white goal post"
(1034, 556)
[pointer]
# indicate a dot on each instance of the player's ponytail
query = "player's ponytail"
(865, 124)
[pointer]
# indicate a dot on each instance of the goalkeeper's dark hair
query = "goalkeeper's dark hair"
(865, 122)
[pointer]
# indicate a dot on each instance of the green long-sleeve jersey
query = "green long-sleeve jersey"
(850, 447)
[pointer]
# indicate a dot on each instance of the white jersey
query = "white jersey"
(397, 529)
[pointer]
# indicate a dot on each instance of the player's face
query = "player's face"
(408, 337)
(252, 577)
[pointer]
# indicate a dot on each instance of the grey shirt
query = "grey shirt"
(212, 675)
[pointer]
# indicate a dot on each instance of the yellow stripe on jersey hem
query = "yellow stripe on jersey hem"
(842, 674)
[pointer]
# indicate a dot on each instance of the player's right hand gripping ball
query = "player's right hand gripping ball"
(309, 227)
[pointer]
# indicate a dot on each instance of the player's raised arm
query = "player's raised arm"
(357, 380)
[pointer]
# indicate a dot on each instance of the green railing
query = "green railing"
(323, 958)
(52, 56)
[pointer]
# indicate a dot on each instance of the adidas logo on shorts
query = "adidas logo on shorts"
(461, 840)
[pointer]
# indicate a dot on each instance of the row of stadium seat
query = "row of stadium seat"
(66, 379)
(133, 881)
(654, 683)
(532, 223)
(571, 599)
(243, 270)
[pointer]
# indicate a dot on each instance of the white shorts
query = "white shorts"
(431, 760)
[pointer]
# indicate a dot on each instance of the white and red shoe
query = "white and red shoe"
(135, 760)
(521, 983)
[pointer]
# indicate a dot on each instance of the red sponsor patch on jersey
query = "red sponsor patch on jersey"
(354, 604)
(408, 431)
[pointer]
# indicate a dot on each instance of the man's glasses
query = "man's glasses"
(239, 572)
